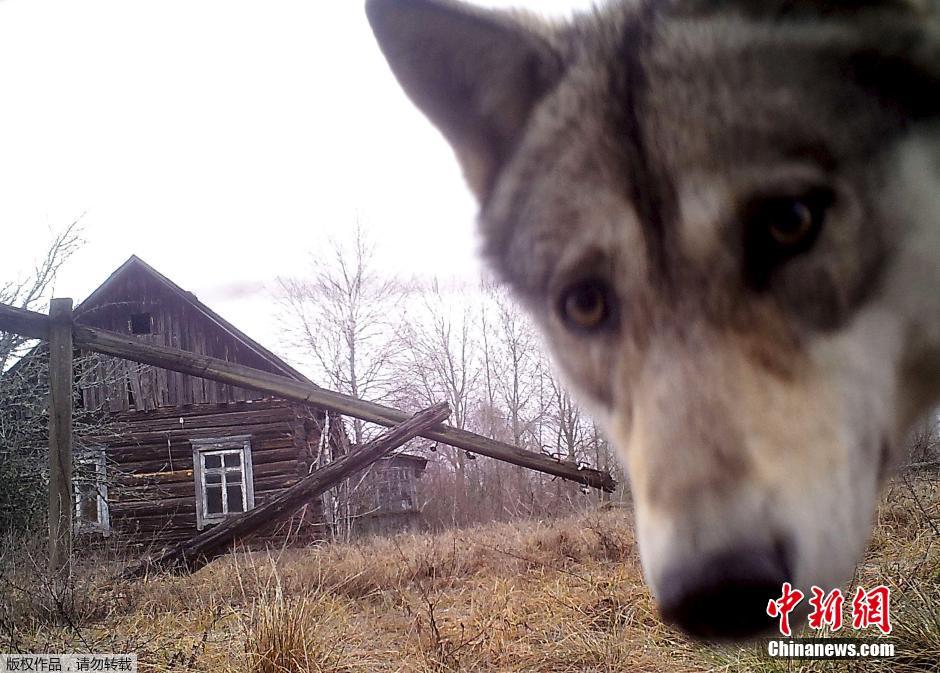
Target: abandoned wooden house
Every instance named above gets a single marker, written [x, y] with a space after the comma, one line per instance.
[181, 452]
[384, 498]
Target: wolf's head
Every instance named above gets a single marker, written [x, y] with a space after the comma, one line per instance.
[725, 217]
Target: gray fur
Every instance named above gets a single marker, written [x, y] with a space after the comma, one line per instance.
[633, 155]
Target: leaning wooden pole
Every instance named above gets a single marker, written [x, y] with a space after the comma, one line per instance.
[194, 553]
[60, 437]
[223, 371]
[214, 369]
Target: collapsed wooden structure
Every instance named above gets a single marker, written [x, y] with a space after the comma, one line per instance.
[195, 553]
[64, 335]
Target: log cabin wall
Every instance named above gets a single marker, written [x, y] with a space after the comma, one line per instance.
[137, 302]
[150, 471]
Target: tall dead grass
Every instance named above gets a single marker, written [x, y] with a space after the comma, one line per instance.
[565, 595]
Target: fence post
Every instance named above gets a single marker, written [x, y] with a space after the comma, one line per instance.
[61, 498]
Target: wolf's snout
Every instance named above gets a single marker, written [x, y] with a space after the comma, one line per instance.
[726, 596]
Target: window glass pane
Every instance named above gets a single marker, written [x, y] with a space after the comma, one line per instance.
[88, 503]
[213, 478]
[214, 500]
[233, 460]
[233, 477]
[234, 498]
[213, 460]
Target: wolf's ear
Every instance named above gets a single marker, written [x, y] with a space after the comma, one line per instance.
[475, 73]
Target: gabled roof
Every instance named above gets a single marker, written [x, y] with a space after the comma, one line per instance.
[136, 263]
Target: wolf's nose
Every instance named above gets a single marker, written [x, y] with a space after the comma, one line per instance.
[726, 597]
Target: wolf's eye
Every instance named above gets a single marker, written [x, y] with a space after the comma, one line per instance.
[587, 305]
[792, 224]
[780, 227]
[789, 224]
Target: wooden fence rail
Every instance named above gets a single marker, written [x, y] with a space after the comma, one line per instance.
[36, 325]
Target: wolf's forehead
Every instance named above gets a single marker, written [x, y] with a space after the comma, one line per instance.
[652, 100]
[722, 92]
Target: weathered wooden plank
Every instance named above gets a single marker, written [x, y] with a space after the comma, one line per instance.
[186, 488]
[180, 474]
[285, 467]
[144, 438]
[154, 478]
[148, 392]
[162, 380]
[206, 409]
[151, 507]
[215, 417]
[26, 323]
[61, 381]
[158, 522]
[195, 553]
[181, 448]
[185, 461]
[134, 375]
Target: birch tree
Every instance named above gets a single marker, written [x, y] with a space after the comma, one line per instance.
[344, 319]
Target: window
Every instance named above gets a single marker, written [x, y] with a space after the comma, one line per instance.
[91, 493]
[222, 472]
[395, 489]
[141, 323]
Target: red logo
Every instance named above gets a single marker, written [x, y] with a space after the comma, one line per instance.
[827, 610]
[783, 606]
[869, 608]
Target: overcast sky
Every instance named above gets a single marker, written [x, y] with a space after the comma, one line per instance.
[220, 141]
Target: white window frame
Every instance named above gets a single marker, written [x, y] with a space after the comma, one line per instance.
[238, 444]
[98, 458]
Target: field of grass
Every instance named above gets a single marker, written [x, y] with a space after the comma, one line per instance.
[564, 595]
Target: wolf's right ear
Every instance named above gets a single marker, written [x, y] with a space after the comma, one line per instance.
[475, 73]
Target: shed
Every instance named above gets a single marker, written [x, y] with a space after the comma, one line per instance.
[384, 499]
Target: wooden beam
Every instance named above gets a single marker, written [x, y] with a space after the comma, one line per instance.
[23, 322]
[223, 371]
[190, 555]
[129, 348]
[61, 498]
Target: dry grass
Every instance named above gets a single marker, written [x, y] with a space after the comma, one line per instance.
[560, 596]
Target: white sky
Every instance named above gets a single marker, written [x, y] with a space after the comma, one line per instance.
[221, 141]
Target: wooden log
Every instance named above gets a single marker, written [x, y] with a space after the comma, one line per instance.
[144, 438]
[195, 553]
[239, 375]
[60, 437]
[184, 488]
[183, 461]
[118, 345]
[215, 417]
[26, 323]
[139, 508]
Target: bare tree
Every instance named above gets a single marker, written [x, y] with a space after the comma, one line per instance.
[442, 363]
[24, 388]
[514, 367]
[345, 317]
[31, 291]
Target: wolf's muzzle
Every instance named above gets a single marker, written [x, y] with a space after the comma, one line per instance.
[726, 597]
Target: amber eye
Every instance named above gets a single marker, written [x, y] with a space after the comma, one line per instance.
[790, 222]
[778, 228]
[587, 305]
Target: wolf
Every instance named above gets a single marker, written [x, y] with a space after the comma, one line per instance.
[724, 217]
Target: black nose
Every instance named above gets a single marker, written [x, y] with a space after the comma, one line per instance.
[725, 598]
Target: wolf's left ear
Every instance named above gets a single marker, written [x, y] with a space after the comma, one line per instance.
[475, 73]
